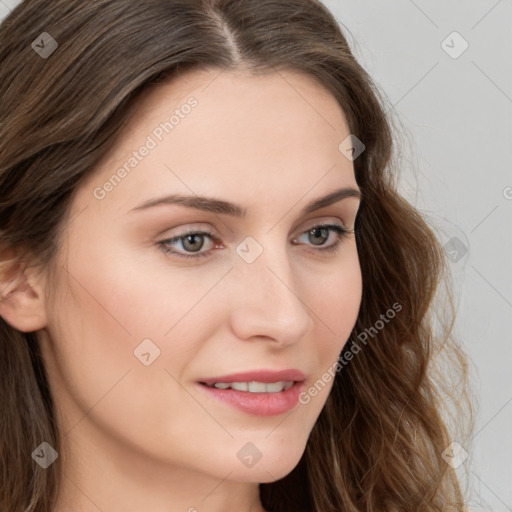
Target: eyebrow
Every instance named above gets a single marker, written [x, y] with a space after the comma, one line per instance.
[217, 206]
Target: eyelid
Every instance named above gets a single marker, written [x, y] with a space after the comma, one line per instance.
[337, 227]
[197, 227]
[323, 221]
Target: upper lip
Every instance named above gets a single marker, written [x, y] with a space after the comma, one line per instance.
[258, 376]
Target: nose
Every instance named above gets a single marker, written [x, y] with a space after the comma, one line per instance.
[268, 301]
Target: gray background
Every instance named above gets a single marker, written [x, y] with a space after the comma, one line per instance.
[457, 119]
[456, 115]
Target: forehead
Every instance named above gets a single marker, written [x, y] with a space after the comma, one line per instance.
[241, 130]
[236, 88]
[240, 107]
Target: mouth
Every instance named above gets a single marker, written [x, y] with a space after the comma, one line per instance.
[255, 380]
[253, 386]
[258, 392]
[254, 397]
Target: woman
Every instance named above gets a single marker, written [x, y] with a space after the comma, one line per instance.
[213, 298]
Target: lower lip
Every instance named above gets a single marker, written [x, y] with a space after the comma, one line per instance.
[258, 404]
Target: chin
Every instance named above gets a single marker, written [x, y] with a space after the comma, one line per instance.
[268, 468]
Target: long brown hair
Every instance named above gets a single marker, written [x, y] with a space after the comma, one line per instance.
[378, 443]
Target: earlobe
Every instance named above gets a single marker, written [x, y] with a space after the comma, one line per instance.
[21, 297]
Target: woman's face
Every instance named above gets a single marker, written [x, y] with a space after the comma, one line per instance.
[137, 320]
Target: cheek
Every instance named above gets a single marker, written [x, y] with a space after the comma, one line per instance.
[93, 343]
[129, 289]
[113, 302]
[336, 310]
[335, 305]
[96, 326]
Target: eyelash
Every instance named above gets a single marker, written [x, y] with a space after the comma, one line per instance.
[338, 229]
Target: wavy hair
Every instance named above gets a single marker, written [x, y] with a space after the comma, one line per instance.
[378, 443]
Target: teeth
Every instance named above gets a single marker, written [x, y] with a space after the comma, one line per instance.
[239, 386]
[222, 385]
[255, 387]
[260, 387]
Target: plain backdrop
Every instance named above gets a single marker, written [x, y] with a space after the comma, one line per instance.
[446, 69]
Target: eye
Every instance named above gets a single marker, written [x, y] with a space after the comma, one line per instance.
[321, 232]
[193, 241]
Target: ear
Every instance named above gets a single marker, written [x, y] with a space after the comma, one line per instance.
[21, 294]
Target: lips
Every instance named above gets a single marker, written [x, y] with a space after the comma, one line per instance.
[267, 376]
[256, 404]
[282, 389]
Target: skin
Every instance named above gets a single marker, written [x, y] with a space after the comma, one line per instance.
[142, 437]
